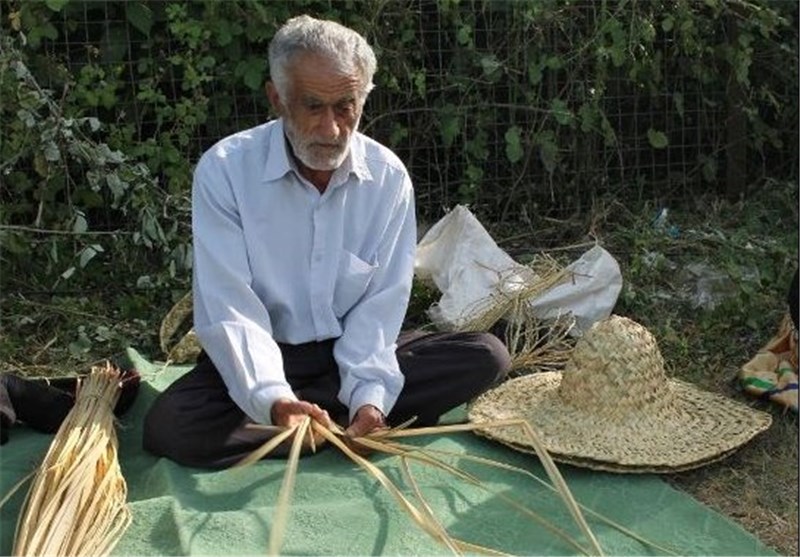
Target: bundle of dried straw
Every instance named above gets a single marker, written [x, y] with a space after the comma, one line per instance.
[77, 502]
[514, 286]
[535, 344]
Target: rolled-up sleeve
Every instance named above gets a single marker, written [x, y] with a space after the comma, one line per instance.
[232, 323]
[365, 353]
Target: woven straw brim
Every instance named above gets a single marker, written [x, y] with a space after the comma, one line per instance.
[697, 428]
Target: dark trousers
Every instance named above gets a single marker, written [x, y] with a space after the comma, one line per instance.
[194, 421]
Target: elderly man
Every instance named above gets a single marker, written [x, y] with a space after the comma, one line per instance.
[304, 240]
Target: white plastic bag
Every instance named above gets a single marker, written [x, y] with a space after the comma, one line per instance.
[591, 294]
[468, 267]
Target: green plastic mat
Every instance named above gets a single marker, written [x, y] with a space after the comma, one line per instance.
[337, 509]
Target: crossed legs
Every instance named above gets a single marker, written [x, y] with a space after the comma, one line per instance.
[195, 422]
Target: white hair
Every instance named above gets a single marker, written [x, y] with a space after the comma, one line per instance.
[348, 50]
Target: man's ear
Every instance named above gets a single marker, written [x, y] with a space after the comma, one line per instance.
[274, 98]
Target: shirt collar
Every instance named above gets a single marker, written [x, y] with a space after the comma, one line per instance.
[358, 157]
[278, 162]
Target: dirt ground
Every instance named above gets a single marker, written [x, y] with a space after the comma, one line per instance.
[757, 486]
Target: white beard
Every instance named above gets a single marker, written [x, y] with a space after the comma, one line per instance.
[312, 155]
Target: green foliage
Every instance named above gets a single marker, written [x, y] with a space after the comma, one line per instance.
[423, 295]
[84, 201]
[711, 278]
[520, 91]
[523, 109]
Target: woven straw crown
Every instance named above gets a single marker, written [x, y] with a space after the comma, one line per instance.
[613, 408]
[616, 370]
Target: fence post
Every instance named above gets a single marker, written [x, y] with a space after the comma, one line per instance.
[736, 137]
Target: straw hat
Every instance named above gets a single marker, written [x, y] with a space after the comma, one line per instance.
[613, 408]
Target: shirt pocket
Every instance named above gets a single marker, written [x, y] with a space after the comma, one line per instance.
[352, 279]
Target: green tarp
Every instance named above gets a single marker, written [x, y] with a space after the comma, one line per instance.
[337, 509]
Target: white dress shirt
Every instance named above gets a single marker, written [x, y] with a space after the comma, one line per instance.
[276, 261]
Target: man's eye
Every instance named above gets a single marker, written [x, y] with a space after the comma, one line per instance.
[345, 108]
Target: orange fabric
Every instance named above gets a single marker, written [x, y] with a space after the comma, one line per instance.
[772, 372]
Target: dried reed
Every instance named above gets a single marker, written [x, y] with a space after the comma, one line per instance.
[422, 515]
[76, 504]
[514, 286]
[284, 497]
[535, 344]
[427, 452]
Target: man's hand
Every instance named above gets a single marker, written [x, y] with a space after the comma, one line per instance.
[288, 413]
[367, 419]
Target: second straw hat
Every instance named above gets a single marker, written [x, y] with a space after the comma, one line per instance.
[613, 408]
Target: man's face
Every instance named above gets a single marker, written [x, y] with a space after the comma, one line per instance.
[321, 112]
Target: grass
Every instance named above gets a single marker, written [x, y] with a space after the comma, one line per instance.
[742, 255]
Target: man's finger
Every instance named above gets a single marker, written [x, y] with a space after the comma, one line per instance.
[320, 415]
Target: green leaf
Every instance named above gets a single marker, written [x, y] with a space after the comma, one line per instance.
[514, 151]
[419, 79]
[116, 186]
[252, 71]
[677, 100]
[27, 117]
[476, 146]
[474, 174]
[554, 62]
[534, 73]
[708, 166]
[56, 5]
[88, 253]
[80, 346]
[589, 115]
[619, 42]
[225, 32]
[449, 126]
[399, 133]
[52, 152]
[140, 16]
[657, 139]
[491, 66]
[561, 112]
[548, 150]
[464, 35]
[46, 30]
[80, 225]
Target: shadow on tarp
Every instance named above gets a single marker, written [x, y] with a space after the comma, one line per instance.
[338, 509]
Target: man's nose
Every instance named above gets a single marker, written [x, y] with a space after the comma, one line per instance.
[327, 125]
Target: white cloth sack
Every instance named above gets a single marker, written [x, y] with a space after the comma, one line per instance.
[591, 294]
[467, 267]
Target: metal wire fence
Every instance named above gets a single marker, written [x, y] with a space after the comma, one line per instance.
[485, 107]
